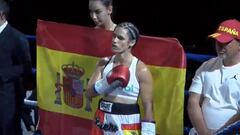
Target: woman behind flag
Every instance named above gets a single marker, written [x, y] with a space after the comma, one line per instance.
[100, 12]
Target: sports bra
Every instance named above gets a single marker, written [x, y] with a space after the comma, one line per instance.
[131, 91]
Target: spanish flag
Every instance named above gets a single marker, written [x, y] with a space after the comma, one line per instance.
[66, 58]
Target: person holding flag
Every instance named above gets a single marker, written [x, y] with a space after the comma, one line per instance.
[100, 12]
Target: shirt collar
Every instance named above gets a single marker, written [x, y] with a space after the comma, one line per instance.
[3, 26]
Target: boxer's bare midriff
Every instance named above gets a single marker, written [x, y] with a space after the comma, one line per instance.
[119, 100]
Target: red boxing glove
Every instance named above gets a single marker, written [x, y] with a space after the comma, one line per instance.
[117, 77]
[120, 73]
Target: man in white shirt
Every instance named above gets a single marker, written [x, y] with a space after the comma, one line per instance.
[215, 90]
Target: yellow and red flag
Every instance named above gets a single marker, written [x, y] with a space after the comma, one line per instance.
[66, 58]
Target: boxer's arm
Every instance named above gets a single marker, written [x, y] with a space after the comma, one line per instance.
[146, 90]
[97, 74]
[146, 93]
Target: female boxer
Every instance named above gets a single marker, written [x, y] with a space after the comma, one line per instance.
[122, 79]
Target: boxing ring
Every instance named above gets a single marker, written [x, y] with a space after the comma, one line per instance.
[198, 58]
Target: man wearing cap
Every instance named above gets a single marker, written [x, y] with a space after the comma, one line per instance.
[214, 100]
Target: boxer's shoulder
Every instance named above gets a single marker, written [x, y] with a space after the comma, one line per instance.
[103, 61]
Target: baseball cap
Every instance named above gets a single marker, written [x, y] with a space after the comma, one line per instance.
[227, 31]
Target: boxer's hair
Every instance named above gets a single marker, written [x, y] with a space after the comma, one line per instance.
[133, 31]
[105, 2]
[4, 8]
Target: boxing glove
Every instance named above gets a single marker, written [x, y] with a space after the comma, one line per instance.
[119, 73]
[117, 77]
[148, 128]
